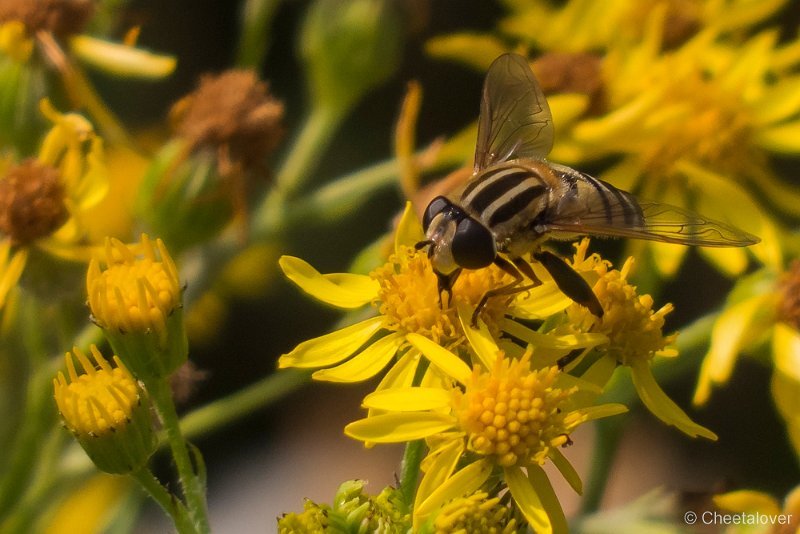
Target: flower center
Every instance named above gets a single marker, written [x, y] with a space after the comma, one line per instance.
[136, 294]
[515, 414]
[712, 132]
[99, 401]
[789, 290]
[31, 202]
[633, 328]
[408, 296]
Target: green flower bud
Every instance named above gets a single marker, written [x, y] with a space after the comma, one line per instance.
[349, 48]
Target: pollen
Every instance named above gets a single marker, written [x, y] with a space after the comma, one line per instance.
[31, 202]
[134, 293]
[515, 414]
[408, 297]
[99, 401]
[789, 291]
[633, 328]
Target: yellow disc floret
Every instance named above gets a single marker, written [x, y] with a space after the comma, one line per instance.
[98, 401]
[409, 296]
[474, 513]
[107, 412]
[134, 294]
[514, 413]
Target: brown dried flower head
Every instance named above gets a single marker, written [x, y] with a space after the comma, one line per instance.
[572, 72]
[31, 202]
[233, 113]
[62, 18]
[789, 290]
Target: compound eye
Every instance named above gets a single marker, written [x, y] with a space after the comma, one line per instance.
[473, 245]
[437, 205]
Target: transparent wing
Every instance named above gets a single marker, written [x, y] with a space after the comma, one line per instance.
[515, 119]
[654, 221]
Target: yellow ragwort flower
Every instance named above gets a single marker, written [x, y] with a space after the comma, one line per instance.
[104, 408]
[134, 293]
[635, 336]
[137, 300]
[511, 415]
[43, 200]
[763, 309]
[405, 292]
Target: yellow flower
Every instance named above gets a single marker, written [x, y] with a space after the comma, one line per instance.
[107, 412]
[136, 299]
[689, 103]
[43, 201]
[405, 292]
[508, 413]
[635, 337]
[763, 309]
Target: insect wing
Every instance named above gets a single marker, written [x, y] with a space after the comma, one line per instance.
[656, 222]
[515, 120]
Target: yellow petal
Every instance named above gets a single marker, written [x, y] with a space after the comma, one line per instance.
[786, 350]
[783, 138]
[121, 60]
[10, 271]
[567, 470]
[438, 466]
[331, 348]
[748, 501]
[399, 427]
[780, 101]
[527, 500]
[463, 482]
[366, 364]
[654, 398]
[563, 343]
[441, 358]
[344, 290]
[409, 399]
[540, 302]
[477, 50]
[409, 229]
[735, 326]
[479, 338]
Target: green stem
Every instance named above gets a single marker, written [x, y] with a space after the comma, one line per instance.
[225, 411]
[409, 470]
[256, 18]
[191, 484]
[691, 342]
[171, 506]
[296, 170]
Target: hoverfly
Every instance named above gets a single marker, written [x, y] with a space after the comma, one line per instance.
[516, 199]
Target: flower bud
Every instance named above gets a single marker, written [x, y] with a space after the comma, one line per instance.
[137, 301]
[107, 412]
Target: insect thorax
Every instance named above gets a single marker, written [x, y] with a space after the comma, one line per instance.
[509, 199]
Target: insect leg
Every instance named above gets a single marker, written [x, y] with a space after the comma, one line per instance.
[569, 281]
[445, 283]
[516, 268]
